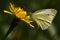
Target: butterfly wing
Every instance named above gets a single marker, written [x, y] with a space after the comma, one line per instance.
[44, 17]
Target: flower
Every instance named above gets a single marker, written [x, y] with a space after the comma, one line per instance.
[19, 13]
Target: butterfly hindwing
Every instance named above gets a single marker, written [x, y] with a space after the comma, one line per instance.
[44, 17]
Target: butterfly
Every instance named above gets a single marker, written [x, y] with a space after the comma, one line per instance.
[44, 17]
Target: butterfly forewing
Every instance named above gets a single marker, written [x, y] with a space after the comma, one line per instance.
[44, 17]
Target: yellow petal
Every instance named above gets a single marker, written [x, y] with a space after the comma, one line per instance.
[27, 17]
[31, 25]
[11, 7]
[7, 12]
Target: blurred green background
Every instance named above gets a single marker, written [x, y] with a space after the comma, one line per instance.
[24, 32]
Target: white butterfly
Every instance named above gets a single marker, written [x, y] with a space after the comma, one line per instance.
[44, 17]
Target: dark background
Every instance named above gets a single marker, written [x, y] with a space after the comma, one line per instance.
[23, 31]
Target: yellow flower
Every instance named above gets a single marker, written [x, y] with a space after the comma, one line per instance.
[19, 13]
